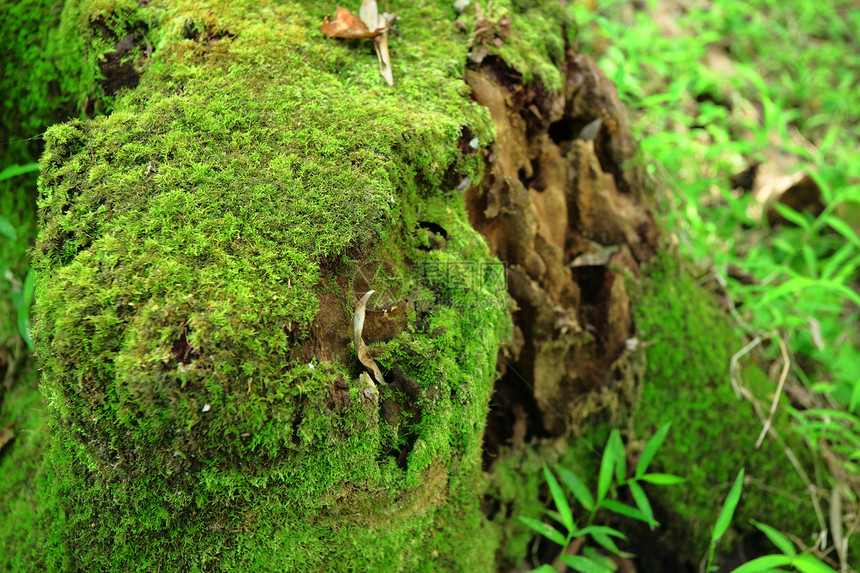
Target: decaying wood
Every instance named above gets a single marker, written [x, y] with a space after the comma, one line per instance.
[565, 209]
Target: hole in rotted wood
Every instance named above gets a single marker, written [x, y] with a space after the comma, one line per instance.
[464, 141]
[591, 281]
[297, 421]
[437, 237]
[536, 181]
[117, 69]
[182, 349]
[561, 131]
[433, 227]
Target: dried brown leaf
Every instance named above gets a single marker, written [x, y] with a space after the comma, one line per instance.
[360, 347]
[380, 44]
[369, 14]
[347, 25]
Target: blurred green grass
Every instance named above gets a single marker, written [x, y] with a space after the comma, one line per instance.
[718, 86]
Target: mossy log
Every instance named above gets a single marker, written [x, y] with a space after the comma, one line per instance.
[202, 249]
[204, 246]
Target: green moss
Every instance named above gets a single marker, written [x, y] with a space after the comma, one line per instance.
[26, 490]
[52, 56]
[540, 31]
[196, 252]
[51, 72]
[30, 81]
[689, 346]
[514, 491]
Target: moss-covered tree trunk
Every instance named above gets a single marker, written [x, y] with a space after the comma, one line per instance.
[204, 247]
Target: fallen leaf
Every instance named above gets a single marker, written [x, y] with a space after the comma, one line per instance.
[780, 179]
[380, 44]
[368, 390]
[347, 25]
[360, 347]
[369, 13]
[597, 257]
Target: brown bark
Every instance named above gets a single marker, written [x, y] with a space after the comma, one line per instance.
[566, 207]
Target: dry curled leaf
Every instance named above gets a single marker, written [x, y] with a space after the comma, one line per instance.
[368, 12]
[360, 347]
[368, 389]
[347, 25]
[380, 44]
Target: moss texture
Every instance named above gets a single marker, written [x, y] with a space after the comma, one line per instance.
[27, 488]
[34, 93]
[196, 257]
[50, 57]
[53, 57]
[690, 344]
[26, 110]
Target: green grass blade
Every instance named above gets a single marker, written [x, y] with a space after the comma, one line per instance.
[810, 260]
[7, 229]
[651, 449]
[606, 542]
[607, 467]
[578, 488]
[642, 502]
[584, 564]
[546, 530]
[761, 564]
[834, 262]
[792, 215]
[777, 538]
[600, 530]
[808, 563]
[662, 479]
[620, 456]
[15, 170]
[29, 287]
[843, 229]
[625, 510]
[855, 396]
[728, 511]
[559, 499]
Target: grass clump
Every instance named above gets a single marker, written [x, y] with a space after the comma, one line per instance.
[719, 87]
[690, 345]
[715, 91]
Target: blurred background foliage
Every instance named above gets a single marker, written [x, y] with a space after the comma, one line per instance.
[736, 103]
[748, 114]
